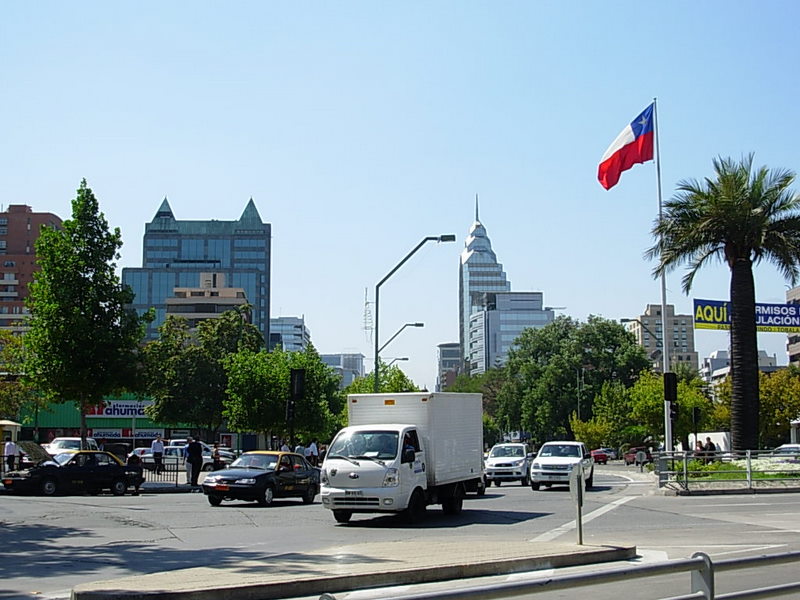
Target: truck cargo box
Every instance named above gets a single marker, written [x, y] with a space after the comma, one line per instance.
[450, 425]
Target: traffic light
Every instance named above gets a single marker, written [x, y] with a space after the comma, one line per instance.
[671, 394]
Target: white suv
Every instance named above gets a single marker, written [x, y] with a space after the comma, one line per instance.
[555, 462]
[60, 444]
[507, 462]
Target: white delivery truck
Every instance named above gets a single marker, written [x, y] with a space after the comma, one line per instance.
[402, 452]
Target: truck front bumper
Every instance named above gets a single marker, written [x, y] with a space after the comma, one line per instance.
[362, 500]
[560, 477]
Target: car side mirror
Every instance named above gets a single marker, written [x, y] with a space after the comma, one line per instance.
[408, 456]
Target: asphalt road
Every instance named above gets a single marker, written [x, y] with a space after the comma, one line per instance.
[50, 544]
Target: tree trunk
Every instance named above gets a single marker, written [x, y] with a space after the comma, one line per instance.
[84, 428]
[744, 358]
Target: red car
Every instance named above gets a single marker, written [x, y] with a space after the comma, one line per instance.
[631, 459]
[599, 456]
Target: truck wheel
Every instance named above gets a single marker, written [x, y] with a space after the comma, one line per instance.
[266, 498]
[497, 482]
[534, 485]
[482, 488]
[342, 516]
[416, 507]
[590, 480]
[118, 487]
[525, 481]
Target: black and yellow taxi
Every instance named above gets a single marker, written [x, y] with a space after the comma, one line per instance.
[261, 476]
[72, 471]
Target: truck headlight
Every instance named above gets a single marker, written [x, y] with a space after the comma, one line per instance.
[536, 466]
[390, 479]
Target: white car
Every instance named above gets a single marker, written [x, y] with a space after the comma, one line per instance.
[507, 462]
[173, 459]
[556, 460]
[60, 444]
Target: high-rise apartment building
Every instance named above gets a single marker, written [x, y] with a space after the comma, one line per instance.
[348, 366]
[647, 328]
[499, 321]
[450, 362]
[19, 230]
[290, 333]
[480, 273]
[208, 300]
[176, 254]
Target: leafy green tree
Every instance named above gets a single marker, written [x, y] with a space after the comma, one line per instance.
[647, 406]
[259, 389]
[15, 391]
[390, 380]
[740, 216]
[780, 405]
[83, 341]
[558, 369]
[186, 375]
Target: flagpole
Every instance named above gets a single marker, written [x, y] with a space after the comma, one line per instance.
[664, 331]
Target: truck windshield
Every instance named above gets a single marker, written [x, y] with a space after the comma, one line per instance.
[370, 444]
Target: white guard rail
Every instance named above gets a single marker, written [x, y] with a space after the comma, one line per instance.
[702, 578]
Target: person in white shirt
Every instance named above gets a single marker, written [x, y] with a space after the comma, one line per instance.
[285, 447]
[157, 448]
[314, 452]
[10, 452]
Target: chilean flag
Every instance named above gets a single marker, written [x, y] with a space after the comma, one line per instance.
[633, 145]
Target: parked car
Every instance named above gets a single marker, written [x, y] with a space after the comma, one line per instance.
[556, 460]
[600, 456]
[261, 476]
[787, 451]
[60, 444]
[630, 457]
[610, 453]
[86, 471]
[173, 459]
[507, 462]
[227, 455]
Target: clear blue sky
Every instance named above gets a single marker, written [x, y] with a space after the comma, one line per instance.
[361, 127]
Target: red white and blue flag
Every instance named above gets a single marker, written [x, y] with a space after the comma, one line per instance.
[633, 145]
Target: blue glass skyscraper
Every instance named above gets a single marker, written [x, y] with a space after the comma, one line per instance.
[175, 253]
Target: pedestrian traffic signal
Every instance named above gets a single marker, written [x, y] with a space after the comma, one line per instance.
[671, 394]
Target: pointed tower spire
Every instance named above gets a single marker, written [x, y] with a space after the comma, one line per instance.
[164, 211]
[476, 208]
[250, 213]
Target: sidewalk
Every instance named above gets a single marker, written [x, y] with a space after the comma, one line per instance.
[347, 568]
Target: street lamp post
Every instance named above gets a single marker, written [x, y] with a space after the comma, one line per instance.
[394, 360]
[431, 238]
[399, 331]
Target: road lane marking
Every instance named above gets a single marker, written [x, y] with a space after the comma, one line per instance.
[558, 531]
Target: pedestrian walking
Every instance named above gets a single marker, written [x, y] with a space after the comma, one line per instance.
[186, 464]
[314, 452]
[711, 450]
[194, 452]
[134, 463]
[157, 448]
[285, 447]
[10, 452]
[216, 457]
[300, 449]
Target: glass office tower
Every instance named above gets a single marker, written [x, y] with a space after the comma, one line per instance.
[175, 253]
[480, 273]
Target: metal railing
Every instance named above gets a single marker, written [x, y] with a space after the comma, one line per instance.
[701, 568]
[749, 470]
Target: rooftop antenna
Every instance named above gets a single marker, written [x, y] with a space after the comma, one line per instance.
[368, 327]
[476, 209]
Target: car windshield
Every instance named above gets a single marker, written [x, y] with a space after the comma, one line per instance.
[365, 444]
[559, 450]
[499, 451]
[65, 445]
[256, 461]
[63, 457]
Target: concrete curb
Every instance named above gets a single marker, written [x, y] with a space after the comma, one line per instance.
[345, 571]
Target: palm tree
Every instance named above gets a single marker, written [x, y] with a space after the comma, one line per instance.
[740, 216]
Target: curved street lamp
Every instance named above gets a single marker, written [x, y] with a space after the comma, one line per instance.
[431, 238]
[399, 331]
[394, 360]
